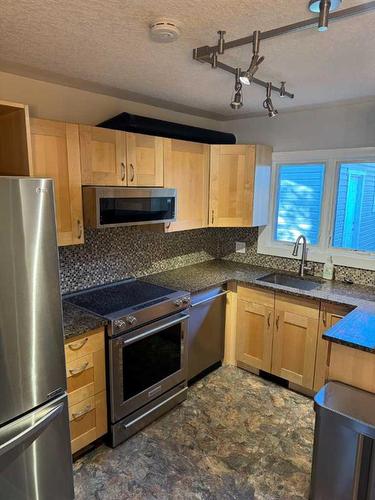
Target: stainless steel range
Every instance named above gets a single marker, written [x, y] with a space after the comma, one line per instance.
[146, 348]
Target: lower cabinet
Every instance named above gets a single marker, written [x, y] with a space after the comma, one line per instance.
[277, 333]
[85, 371]
[255, 319]
[295, 338]
[330, 314]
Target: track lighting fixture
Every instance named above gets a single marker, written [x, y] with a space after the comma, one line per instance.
[220, 43]
[282, 90]
[268, 104]
[324, 7]
[237, 98]
[248, 75]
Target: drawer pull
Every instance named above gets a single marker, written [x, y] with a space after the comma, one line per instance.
[82, 413]
[77, 371]
[269, 320]
[78, 345]
[277, 322]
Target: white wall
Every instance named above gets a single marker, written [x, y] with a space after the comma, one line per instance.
[340, 126]
[58, 102]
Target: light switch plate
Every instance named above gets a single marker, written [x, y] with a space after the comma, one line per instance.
[240, 247]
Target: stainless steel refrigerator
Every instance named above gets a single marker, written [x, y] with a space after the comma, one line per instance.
[35, 454]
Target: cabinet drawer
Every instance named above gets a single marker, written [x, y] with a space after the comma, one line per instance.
[84, 345]
[88, 421]
[85, 376]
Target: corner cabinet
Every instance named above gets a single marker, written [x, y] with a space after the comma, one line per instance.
[186, 168]
[115, 158]
[55, 152]
[240, 177]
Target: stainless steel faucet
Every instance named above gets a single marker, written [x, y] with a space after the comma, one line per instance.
[302, 267]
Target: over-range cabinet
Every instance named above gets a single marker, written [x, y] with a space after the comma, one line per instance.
[35, 454]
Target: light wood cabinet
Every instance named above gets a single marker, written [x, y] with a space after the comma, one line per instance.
[55, 150]
[103, 156]
[85, 371]
[239, 185]
[144, 160]
[186, 168]
[255, 319]
[351, 366]
[330, 314]
[295, 339]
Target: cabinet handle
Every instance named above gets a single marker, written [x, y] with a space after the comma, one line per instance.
[269, 320]
[132, 172]
[277, 322]
[80, 229]
[212, 216]
[123, 170]
[167, 226]
[82, 413]
[77, 371]
[324, 316]
[78, 345]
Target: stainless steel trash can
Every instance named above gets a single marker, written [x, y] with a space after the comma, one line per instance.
[344, 450]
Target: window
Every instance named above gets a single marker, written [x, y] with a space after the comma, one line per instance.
[328, 196]
[299, 202]
[354, 226]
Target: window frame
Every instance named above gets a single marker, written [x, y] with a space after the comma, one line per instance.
[319, 253]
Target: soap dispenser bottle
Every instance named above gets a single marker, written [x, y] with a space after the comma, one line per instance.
[328, 269]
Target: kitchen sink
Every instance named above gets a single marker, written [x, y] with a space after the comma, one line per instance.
[306, 283]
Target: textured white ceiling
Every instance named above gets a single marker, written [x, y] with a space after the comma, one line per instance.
[107, 43]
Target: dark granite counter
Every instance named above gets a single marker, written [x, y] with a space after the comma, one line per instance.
[356, 330]
[78, 321]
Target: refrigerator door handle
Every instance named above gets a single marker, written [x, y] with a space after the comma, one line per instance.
[17, 436]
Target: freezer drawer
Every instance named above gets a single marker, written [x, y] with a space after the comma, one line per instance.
[35, 455]
[206, 330]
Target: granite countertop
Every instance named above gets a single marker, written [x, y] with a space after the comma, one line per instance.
[78, 321]
[356, 330]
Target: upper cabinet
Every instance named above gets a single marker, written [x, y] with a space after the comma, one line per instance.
[144, 160]
[115, 158]
[55, 149]
[239, 185]
[103, 156]
[186, 168]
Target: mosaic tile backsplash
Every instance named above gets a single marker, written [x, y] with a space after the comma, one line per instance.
[114, 254]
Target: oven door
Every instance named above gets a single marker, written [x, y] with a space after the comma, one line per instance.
[147, 362]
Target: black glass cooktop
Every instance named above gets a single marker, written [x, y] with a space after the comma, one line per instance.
[109, 299]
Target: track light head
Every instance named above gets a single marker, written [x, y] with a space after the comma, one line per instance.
[220, 43]
[268, 104]
[282, 89]
[247, 76]
[237, 98]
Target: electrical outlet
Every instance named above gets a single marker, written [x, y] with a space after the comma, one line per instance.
[240, 247]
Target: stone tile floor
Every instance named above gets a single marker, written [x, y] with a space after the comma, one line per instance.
[236, 437]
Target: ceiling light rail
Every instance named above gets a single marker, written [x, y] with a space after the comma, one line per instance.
[207, 54]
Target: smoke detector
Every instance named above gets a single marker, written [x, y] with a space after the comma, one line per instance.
[164, 30]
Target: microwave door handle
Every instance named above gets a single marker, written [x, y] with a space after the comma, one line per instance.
[31, 429]
[155, 330]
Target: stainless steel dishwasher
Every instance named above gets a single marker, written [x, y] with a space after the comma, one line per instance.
[206, 331]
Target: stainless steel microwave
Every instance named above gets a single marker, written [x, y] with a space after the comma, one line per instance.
[123, 206]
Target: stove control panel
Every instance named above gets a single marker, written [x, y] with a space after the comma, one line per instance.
[182, 302]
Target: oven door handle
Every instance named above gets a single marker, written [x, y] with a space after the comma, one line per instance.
[156, 330]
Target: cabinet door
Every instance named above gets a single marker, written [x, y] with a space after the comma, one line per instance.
[295, 339]
[144, 160]
[330, 314]
[231, 185]
[186, 168]
[103, 156]
[255, 319]
[55, 148]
